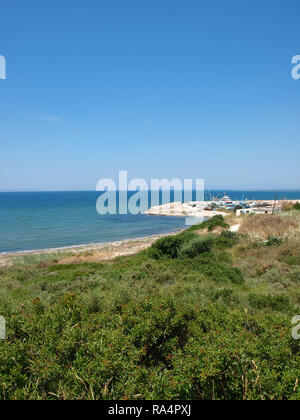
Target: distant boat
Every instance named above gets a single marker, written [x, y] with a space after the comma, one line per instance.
[226, 199]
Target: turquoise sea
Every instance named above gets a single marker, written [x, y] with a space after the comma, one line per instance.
[42, 220]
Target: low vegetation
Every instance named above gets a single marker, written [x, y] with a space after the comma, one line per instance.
[195, 316]
[262, 227]
[289, 205]
[210, 224]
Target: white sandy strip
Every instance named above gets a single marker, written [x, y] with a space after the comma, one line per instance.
[193, 209]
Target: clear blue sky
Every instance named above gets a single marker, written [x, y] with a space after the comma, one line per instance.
[162, 88]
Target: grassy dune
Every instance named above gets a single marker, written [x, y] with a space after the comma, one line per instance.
[193, 317]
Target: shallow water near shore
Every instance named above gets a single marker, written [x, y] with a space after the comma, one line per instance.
[43, 220]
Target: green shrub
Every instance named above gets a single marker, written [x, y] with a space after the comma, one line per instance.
[195, 247]
[166, 247]
[227, 239]
[93, 304]
[211, 224]
[274, 241]
[296, 206]
[223, 294]
[217, 270]
[141, 328]
[279, 303]
[291, 260]
[169, 246]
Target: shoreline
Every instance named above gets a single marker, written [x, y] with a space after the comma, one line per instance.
[189, 210]
[99, 246]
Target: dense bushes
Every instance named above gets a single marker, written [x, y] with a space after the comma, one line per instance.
[195, 247]
[227, 239]
[276, 303]
[183, 325]
[166, 247]
[217, 270]
[190, 245]
[154, 348]
[185, 245]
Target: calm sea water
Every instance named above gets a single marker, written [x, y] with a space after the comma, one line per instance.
[39, 220]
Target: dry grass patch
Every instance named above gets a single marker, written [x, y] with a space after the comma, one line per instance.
[287, 205]
[264, 226]
[255, 261]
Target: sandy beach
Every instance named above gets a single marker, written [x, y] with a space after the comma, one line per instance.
[89, 252]
[110, 250]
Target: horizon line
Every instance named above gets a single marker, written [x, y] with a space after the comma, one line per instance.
[295, 189]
